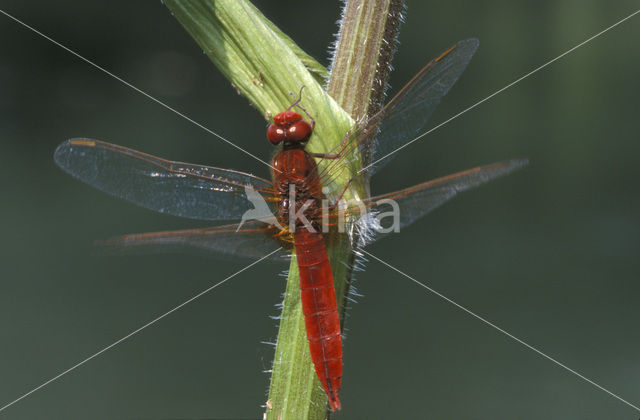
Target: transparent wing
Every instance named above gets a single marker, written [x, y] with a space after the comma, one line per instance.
[414, 202]
[407, 114]
[253, 240]
[180, 189]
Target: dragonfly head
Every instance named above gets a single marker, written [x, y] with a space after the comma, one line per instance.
[288, 126]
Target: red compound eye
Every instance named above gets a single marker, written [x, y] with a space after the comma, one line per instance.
[275, 134]
[299, 131]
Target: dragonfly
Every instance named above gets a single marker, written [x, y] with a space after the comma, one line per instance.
[265, 207]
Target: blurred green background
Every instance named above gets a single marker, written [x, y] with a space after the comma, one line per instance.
[550, 253]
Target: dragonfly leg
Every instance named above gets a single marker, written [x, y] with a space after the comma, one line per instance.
[335, 155]
[335, 204]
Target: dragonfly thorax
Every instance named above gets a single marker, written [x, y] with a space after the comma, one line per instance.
[296, 179]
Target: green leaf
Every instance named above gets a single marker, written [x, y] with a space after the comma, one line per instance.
[262, 64]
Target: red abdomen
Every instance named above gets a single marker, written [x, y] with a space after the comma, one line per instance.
[320, 311]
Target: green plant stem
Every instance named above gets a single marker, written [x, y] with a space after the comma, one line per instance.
[364, 50]
[265, 66]
[358, 79]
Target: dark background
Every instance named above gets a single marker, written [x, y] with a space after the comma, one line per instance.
[550, 253]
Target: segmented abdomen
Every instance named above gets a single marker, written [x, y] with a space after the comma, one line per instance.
[320, 311]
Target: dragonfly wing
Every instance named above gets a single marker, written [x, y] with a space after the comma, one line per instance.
[253, 240]
[180, 189]
[419, 200]
[407, 114]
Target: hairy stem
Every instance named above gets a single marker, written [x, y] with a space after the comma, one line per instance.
[363, 54]
[265, 66]
[358, 80]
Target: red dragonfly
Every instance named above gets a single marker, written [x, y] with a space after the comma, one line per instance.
[213, 194]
